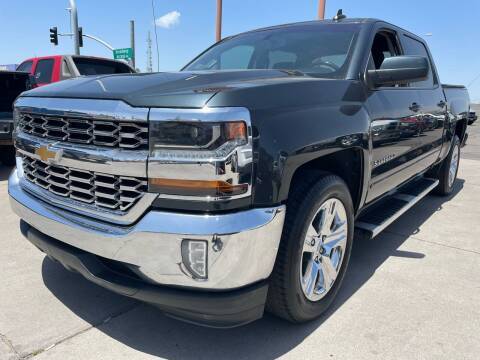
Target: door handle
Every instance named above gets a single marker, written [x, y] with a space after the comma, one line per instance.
[414, 107]
[441, 104]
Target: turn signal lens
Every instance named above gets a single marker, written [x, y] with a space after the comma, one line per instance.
[235, 130]
[196, 187]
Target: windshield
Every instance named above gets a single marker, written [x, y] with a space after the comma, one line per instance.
[321, 50]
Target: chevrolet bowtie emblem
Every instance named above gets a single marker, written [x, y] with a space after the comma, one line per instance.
[45, 154]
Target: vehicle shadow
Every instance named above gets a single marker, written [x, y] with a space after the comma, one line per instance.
[4, 172]
[146, 329]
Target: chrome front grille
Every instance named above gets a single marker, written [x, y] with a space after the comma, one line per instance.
[102, 190]
[130, 135]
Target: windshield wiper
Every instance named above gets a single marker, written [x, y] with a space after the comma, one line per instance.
[293, 72]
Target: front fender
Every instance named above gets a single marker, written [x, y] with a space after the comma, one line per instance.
[301, 136]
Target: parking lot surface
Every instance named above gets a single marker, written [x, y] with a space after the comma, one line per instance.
[412, 293]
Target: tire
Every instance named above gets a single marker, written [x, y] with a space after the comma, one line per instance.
[291, 294]
[7, 155]
[448, 166]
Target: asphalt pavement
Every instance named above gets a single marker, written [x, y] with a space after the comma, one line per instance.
[411, 293]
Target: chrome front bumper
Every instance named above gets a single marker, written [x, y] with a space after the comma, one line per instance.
[152, 246]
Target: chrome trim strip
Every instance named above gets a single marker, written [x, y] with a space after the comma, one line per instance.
[249, 240]
[88, 157]
[211, 114]
[81, 108]
[82, 208]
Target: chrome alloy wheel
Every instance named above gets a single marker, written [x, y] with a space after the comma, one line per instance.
[452, 173]
[323, 249]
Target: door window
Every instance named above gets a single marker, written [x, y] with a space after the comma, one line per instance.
[385, 45]
[415, 47]
[25, 66]
[44, 71]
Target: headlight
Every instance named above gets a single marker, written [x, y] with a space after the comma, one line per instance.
[201, 154]
[175, 140]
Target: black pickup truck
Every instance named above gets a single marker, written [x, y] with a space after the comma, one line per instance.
[236, 184]
[12, 83]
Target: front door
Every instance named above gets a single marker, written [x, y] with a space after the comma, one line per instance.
[396, 124]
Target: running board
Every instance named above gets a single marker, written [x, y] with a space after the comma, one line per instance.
[377, 219]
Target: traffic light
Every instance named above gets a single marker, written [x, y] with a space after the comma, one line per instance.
[54, 35]
[80, 36]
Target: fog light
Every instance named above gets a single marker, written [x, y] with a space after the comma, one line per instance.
[195, 258]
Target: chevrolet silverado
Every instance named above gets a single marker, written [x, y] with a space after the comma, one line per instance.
[235, 185]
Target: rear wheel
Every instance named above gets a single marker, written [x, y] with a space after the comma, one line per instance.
[314, 250]
[448, 171]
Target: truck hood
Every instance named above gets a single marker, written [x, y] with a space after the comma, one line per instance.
[172, 89]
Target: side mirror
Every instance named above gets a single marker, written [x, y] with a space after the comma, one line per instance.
[399, 70]
[32, 82]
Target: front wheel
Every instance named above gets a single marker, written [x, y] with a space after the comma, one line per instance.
[314, 250]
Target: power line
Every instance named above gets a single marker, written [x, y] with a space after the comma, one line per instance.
[474, 79]
[156, 36]
[149, 53]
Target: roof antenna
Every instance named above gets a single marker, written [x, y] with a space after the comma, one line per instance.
[339, 15]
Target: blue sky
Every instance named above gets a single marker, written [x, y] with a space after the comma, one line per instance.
[24, 27]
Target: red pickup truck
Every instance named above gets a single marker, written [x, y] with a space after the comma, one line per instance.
[49, 69]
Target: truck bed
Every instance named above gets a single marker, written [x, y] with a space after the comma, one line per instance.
[458, 99]
[12, 84]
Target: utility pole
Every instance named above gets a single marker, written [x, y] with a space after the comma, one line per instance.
[132, 41]
[149, 53]
[321, 9]
[74, 21]
[219, 21]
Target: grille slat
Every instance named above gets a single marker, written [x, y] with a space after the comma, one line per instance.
[85, 131]
[106, 191]
[58, 184]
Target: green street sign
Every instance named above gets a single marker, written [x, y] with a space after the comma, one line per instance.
[123, 54]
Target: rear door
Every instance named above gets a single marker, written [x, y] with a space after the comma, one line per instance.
[395, 121]
[432, 106]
